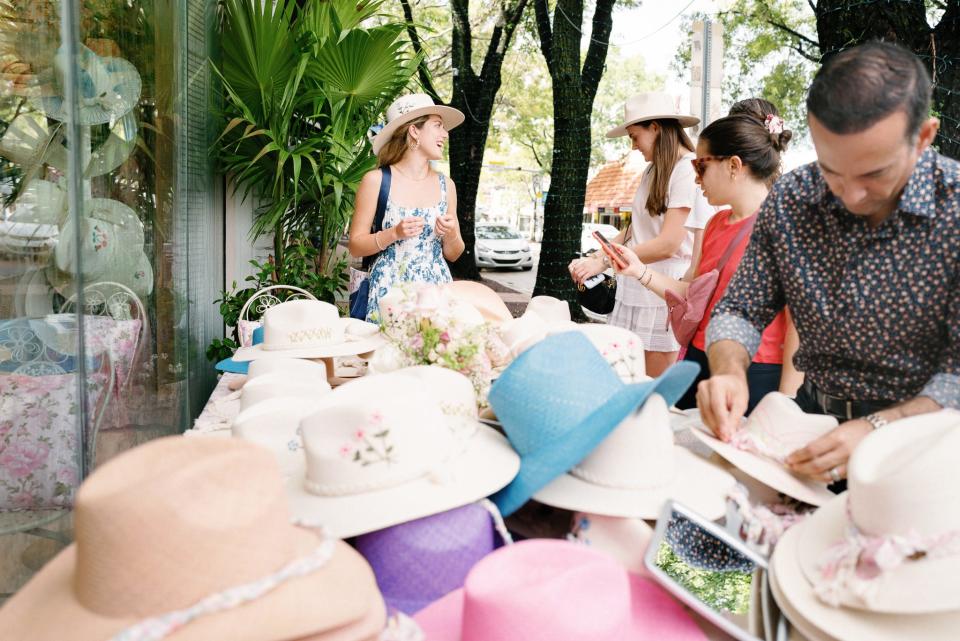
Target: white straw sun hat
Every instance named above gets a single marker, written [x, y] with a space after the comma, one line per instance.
[407, 109]
[654, 105]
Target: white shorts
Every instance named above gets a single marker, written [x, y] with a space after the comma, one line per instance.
[648, 322]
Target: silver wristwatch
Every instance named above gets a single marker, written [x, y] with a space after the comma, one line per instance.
[876, 420]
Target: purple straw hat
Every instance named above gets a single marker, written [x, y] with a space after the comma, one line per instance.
[420, 561]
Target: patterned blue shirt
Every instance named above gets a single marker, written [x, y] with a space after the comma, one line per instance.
[877, 309]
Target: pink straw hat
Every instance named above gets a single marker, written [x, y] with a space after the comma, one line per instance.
[189, 539]
[552, 590]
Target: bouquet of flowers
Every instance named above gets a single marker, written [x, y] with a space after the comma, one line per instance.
[425, 326]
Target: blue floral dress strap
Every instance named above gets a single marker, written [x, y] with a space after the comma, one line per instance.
[442, 206]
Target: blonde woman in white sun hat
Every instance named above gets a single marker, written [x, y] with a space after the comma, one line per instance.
[419, 231]
[668, 211]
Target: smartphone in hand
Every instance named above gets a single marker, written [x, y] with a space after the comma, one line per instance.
[610, 250]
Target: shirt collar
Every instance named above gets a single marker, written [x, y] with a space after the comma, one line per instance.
[917, 197]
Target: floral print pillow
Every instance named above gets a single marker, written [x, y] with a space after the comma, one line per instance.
[39, 441]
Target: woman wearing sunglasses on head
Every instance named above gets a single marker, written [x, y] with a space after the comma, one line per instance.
[668, 214]
[738, 159]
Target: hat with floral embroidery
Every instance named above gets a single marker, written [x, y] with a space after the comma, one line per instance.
[381, 451]
[190, 540]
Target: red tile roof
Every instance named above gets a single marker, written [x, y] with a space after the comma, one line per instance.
[615, 184]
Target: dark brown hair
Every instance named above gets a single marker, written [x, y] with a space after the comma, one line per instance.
[747, 137]
[858, 87]
[758, 107]
[665, 150]
[393, 150]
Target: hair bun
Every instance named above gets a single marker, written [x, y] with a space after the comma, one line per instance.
[781, 140]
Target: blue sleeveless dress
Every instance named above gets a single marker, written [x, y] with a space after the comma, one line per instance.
[412, 260]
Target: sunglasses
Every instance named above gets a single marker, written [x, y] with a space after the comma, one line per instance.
[700, 164]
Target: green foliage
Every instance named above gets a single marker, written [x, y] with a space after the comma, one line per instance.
[722, 591]
[770, 48]
[303, 85]
[298, 269]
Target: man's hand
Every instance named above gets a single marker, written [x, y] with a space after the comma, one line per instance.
[830, 451]
[723, 400]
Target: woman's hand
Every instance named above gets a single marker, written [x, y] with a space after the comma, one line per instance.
[447, 225]
[583, 268]
[635, 267]
[409, 227]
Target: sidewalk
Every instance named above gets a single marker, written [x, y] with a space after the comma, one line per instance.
[516, 301]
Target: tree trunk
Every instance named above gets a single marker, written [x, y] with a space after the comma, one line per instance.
[574, 89]
[474, 95]
[845, 23]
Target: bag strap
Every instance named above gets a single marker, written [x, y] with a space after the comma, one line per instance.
[741, 234]
[379, 213]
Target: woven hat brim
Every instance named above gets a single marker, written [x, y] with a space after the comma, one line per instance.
[487, 464]
[231, 366]
[685, 121]
[47, 606]
[539, 468]
[346, 348]
[847, 624]
[696, 483]
[452, 118]
[767, 471]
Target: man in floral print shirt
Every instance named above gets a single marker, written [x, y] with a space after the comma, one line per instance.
[863, 246]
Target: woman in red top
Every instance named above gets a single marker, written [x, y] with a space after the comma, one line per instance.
[738, 159]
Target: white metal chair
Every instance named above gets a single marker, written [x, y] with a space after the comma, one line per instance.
[263, 300]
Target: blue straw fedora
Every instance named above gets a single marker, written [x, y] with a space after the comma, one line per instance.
[558, 400]
[236, 367]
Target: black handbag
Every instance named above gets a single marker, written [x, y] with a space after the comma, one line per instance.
[600, 298]
[358, 299]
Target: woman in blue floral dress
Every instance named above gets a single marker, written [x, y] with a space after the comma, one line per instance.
[420, 231]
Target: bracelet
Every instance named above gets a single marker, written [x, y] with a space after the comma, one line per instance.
[649, 278]
[376, 239]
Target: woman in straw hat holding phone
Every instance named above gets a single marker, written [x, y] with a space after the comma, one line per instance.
[668, 210]
[419, 231]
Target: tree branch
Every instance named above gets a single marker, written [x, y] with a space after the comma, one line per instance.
[501, 37]
[597, 52]
[813, 7]
[422, 71]
[543, 29]
[462, 36]
[777, 25]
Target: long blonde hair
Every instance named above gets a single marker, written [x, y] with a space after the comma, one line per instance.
[393, 150]
[671, 137]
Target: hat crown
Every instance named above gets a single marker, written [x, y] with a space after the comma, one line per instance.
[571, 379]
[422, 560]
[902, 478]
[406, 104]
[551, 310]
[778, 427]
[376, 432]
[640, 107]
[456, 396]
[301, 323]
[291, 366]
[621, 348]
[522, 586]
[279, 383]
[190, 502]
[638, 454]
[275, 425]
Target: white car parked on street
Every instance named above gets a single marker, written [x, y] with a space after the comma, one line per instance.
[502, 246]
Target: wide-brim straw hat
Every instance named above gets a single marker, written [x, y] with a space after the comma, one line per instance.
[310, 329]
[382, 451]
[485, 300]
[173, 523]
[543, 589]
[559, 400]
[654, 105]
[406, 109]
[636, 469]
[776, 421]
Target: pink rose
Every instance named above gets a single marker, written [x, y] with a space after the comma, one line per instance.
[68, 476]
[20, 459]
[22, 499]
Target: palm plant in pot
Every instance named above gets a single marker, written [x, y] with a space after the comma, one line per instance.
[303, 82]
